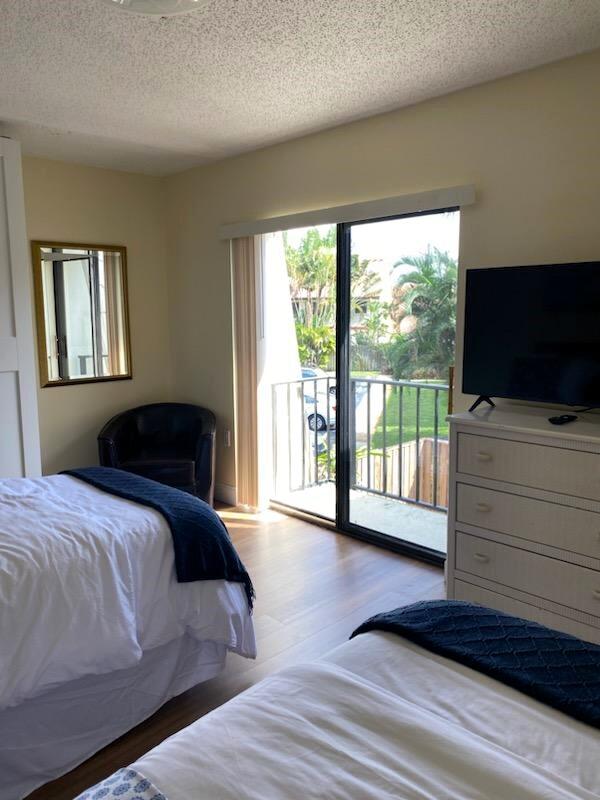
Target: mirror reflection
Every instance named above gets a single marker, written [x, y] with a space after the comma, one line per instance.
[81, 298]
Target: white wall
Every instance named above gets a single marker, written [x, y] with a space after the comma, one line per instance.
[70, 203]
[529, 143]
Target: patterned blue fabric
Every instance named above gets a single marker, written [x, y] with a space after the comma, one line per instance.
[203, 549]
[560, 670]
[126, 784]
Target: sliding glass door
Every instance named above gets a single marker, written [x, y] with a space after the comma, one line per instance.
[396, 331]
[361, 326]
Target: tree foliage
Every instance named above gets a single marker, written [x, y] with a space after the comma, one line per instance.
[428, 292]
[316, 345]
[312, 268]
[375, 321]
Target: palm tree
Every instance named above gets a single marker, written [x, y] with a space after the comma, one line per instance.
[312, 268]
[428, 293]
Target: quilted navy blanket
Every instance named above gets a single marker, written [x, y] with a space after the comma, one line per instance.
[203, 549]
[560, 670]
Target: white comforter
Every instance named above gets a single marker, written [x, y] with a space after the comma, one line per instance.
[379, 718]
[87, 583]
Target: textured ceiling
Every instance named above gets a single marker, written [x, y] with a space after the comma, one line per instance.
[82, 81]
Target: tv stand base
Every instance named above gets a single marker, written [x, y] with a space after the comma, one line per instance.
[482, 399]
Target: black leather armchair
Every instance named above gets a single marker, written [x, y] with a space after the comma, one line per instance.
[173, 443]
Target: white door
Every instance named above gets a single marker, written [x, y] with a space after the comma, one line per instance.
[19, 432]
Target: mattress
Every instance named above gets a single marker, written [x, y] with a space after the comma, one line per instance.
[88, 585]
[379, 718]
[96, 632]
[45, 737]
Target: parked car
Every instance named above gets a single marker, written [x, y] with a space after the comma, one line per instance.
[316, 372]
[316, 412]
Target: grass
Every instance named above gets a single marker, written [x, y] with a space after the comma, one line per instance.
[409, 416]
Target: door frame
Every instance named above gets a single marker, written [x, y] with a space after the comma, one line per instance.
[343, 444]
[17, 349]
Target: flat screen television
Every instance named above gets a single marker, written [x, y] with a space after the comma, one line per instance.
[533, 333]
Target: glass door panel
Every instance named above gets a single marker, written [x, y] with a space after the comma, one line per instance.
[299, 314]
[401, 344]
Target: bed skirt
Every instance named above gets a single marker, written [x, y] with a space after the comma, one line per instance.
[47, 736]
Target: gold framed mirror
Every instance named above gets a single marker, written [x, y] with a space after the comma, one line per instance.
[81, 312]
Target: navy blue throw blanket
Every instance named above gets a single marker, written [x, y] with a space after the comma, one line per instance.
[560, 670]
[203, 549]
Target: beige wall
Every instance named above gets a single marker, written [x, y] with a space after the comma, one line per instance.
[529, 143]
[72, 203]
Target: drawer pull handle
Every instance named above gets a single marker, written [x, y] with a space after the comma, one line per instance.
[483, 559]
[597, 594]
[483, 507]
[484, 457]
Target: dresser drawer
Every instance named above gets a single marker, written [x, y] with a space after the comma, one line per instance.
[571, 472]
[541, 576]
[556, 525]
[485, 597]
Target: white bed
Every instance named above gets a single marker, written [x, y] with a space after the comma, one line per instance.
[91, 613]
[379, 718]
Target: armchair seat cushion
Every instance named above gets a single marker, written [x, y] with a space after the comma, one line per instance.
[176, 472]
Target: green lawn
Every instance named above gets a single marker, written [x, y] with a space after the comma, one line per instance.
[409, 416]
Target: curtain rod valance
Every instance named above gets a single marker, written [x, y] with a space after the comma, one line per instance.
[450, 197]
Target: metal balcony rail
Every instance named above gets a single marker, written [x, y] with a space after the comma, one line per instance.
[398, 431]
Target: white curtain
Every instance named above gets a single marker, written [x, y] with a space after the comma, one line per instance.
[266, 353]
[278, 363]
[244, 260]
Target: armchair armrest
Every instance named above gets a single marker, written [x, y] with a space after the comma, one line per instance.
[111, 440]
[205, 466]
[107, 452]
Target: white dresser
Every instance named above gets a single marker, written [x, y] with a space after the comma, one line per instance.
[524, 516]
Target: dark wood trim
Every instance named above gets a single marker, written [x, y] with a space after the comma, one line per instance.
[36, 259]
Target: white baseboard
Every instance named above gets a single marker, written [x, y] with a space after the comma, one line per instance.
[225, 493]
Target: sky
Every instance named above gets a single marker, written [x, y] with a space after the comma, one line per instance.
[395, 238]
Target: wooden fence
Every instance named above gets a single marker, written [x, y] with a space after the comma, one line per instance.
[371, 476]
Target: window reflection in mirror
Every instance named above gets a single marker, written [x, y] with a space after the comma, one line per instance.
[81, 299]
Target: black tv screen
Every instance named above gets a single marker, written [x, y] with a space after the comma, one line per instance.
[533, 333]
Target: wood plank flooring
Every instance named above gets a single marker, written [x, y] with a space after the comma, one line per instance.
[313, 588]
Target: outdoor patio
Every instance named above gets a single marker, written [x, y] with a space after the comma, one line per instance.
[408, 521]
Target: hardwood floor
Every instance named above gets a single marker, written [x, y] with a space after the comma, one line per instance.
[313, 588]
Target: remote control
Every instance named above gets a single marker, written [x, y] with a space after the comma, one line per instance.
[562, 419]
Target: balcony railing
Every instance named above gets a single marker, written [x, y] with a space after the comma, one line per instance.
[398, 431]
